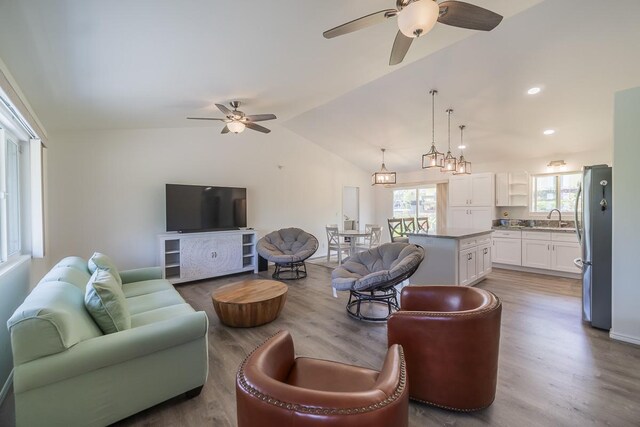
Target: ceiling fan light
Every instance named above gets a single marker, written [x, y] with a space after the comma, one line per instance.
[236, 127]
[418, 18]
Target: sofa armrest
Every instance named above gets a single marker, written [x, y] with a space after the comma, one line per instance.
[141, 274]
[111, 349]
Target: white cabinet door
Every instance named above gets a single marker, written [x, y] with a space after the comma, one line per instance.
[468, 269]
[507, 251]
[228, 254]
[562, 256]
[482, 190]
[202, 257]
[459, 218]
[536, 253]
[484, 259]
[502, 189]
[197, 257]
[481, 218]
[459, 191]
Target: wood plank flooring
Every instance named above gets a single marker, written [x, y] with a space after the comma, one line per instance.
[554, 370]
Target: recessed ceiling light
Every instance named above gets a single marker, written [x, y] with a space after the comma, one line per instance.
[462, 147]
[549, 132]
[534, 91]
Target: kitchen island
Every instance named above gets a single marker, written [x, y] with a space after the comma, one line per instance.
[453, 256]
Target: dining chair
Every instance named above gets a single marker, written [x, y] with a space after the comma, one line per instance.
[396, 232]
[373, 239]
[333, 244]
[408, 225]
[422, 224]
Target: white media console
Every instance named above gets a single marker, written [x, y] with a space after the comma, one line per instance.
[185, 257]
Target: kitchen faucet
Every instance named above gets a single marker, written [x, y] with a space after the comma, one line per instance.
[559, 216]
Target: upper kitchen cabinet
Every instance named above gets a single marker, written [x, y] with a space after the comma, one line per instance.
[472, 190]
[512, 189]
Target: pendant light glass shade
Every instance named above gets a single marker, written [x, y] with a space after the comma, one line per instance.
[418, 18]
[384, 176]
[236, 127]
[434, 158]
[450, 161]
[463, 167]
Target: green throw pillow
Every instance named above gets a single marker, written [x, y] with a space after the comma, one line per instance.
[106, 303]
[101, 261]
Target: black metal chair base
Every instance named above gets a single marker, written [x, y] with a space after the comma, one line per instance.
[387, 296]
[290, 271]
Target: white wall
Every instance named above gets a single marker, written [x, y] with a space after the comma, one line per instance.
[106, 189]
[626, 205]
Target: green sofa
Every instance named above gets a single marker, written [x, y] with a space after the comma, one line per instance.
[68, 373]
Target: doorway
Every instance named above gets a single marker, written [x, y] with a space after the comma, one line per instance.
[351, 208]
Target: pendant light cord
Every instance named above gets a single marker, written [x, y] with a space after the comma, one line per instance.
[433, 116]
[449, 111]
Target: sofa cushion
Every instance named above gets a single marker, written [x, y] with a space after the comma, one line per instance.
[74, 262]
[70, 275]
[160, 314]
[141, 303]
[50, 320]
[103, 262]
[145, 287]
[106, 302]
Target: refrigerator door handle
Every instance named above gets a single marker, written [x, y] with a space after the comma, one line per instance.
[576, 214]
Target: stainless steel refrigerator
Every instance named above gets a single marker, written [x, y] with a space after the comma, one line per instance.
[593, 226]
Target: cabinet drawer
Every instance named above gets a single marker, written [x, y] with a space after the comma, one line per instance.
[564, 237]
[483, 240]
[508, 234]
[536, 235]
[468, 243]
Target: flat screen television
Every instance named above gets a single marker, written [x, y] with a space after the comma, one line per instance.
[193, 208]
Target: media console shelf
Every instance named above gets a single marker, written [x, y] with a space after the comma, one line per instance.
[185, 257]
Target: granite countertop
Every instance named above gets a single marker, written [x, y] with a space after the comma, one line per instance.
[536, 228]
[452, 233]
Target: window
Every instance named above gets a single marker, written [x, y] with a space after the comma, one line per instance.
[10, 236]
[415, 203]
[556, 191]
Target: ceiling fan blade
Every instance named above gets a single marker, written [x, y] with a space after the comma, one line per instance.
[224, 110]
[261, 117]
[204, 118]
[259, 128]
[225, 129]
[360, 23]
[400, 48]
[465, 15]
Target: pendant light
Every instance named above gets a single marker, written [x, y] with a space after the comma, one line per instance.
[434, 158]
[450, 160]
[463, 167]
[384, 176]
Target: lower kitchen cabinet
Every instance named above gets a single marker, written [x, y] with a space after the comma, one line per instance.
[540, 250]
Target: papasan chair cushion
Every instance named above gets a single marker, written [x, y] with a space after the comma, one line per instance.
[288, 248]
[371, 276]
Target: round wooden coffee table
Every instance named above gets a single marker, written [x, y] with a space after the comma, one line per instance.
[249, 303]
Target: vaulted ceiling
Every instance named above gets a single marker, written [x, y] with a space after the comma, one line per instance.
[151, 63]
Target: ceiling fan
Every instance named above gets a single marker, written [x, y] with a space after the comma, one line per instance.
[236, 121]
[417, 17]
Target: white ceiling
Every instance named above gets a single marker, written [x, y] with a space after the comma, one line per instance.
[91, 64]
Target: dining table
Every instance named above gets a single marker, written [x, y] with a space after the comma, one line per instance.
[352, 236]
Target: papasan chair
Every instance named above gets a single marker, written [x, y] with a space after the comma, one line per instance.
[288, 248]
[371, 276]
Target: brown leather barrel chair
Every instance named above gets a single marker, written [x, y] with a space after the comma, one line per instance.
[451, 338]
[276, 389]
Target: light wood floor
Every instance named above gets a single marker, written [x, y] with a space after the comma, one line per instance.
[554, 371]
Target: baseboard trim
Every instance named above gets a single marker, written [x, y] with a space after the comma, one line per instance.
[625, 338]
[537, 271]
[6, 387]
